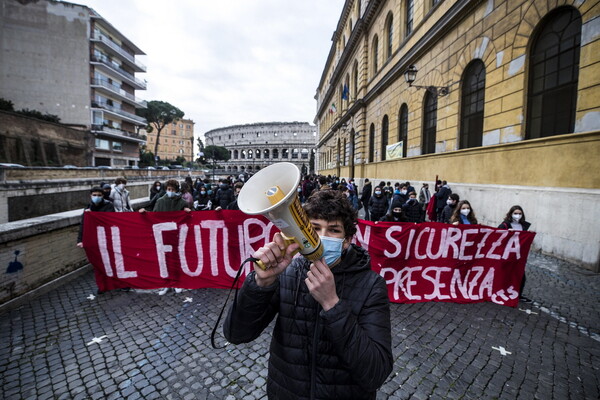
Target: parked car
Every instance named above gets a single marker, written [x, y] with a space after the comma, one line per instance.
[150, 168]
[165, 168]
[70, 166]
[10, 165]
[104, 167]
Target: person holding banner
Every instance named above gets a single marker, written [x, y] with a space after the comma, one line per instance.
[332, 337]
[515, 221]
[97, 203]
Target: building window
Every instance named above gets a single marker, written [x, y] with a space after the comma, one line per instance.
[284, 153]
[473, 91]
[429, 124]
[235, 154]
[295, 153]
[375, 54]
[371, 142]
[553, 75]
[257, 152]
[304, 154]
[384, 136]
[409, 16]
[389, 35]
[266, 153]
[117, 146]
[275, 154]
[403, 128]
[102, 144]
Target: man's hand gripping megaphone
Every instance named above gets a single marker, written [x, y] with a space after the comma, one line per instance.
[273, 258]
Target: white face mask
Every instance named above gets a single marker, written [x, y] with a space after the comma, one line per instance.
[449, 202]
[517, 217]
[465, 211]
[121, 186]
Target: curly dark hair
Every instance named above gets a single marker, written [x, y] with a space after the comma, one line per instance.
[332, 205]
[172, 183]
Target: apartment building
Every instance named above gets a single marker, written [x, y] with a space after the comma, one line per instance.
[65, 59]
[176, 140]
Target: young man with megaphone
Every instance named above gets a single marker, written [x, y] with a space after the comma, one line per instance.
[332, 337]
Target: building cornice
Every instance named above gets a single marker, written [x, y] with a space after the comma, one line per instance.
[453, 16]
[257, 124]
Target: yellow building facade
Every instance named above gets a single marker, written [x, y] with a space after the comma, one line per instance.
[176, 140]
[503, 103]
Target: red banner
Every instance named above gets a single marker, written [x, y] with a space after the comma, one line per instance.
[420, 262]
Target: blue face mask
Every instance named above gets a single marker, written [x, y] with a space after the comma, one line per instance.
[96, 199]
[332, 249]
[170, 194]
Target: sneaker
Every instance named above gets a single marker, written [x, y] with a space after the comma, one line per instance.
[162, 291]
[178, 290]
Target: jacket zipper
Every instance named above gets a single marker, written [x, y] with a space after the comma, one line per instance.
[313, 372]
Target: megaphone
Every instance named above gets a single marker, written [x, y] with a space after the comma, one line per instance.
[272, 192]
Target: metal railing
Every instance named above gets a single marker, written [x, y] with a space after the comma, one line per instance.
[118, 49]
[108, 62]
[114, 131]
[116, 89]
[119, 111]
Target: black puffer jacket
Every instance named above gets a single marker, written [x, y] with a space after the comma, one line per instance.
[344, 353]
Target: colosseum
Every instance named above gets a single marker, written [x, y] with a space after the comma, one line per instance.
[255, 146]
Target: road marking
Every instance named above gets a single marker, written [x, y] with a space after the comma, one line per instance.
[97, 340]
[188, 300]
[91, 297]
[502, 350]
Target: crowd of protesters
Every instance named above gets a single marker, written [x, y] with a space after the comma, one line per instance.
[385, 202]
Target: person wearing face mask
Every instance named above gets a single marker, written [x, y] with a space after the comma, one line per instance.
[203, 202]
[515, 221]
[120, 196]
[171, 201]
[463, 214]
[412, 209]
[97, 203]
[451, 203]
[378, 204]
[395, 213]
[332, 335]
[106, 189]
[224, 196]
[157, 191]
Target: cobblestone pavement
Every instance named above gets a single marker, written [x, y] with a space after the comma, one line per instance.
[138, 345]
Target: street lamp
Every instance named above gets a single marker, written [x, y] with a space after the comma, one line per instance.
[410, 75]
[213, 158]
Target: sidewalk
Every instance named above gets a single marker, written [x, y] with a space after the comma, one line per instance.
[138, 345]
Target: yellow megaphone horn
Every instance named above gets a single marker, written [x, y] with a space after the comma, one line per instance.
[272, 192]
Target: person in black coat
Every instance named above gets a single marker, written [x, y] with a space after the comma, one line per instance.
[515, 221]
[224, 196]
[412, 209]
[97, 203]
[378, 204]
[332, 335]
[448, 210]
[395, 213]
[440, 198]
[365, 196]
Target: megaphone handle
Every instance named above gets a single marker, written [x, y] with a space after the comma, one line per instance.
[287, 241]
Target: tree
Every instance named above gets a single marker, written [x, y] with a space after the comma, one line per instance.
[216, 153]
[201, 158]
[159, 114]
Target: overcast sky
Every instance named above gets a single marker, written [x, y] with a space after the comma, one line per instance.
[228, 62]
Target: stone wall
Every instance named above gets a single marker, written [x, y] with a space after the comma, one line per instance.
[33, 142]
[36, 251]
